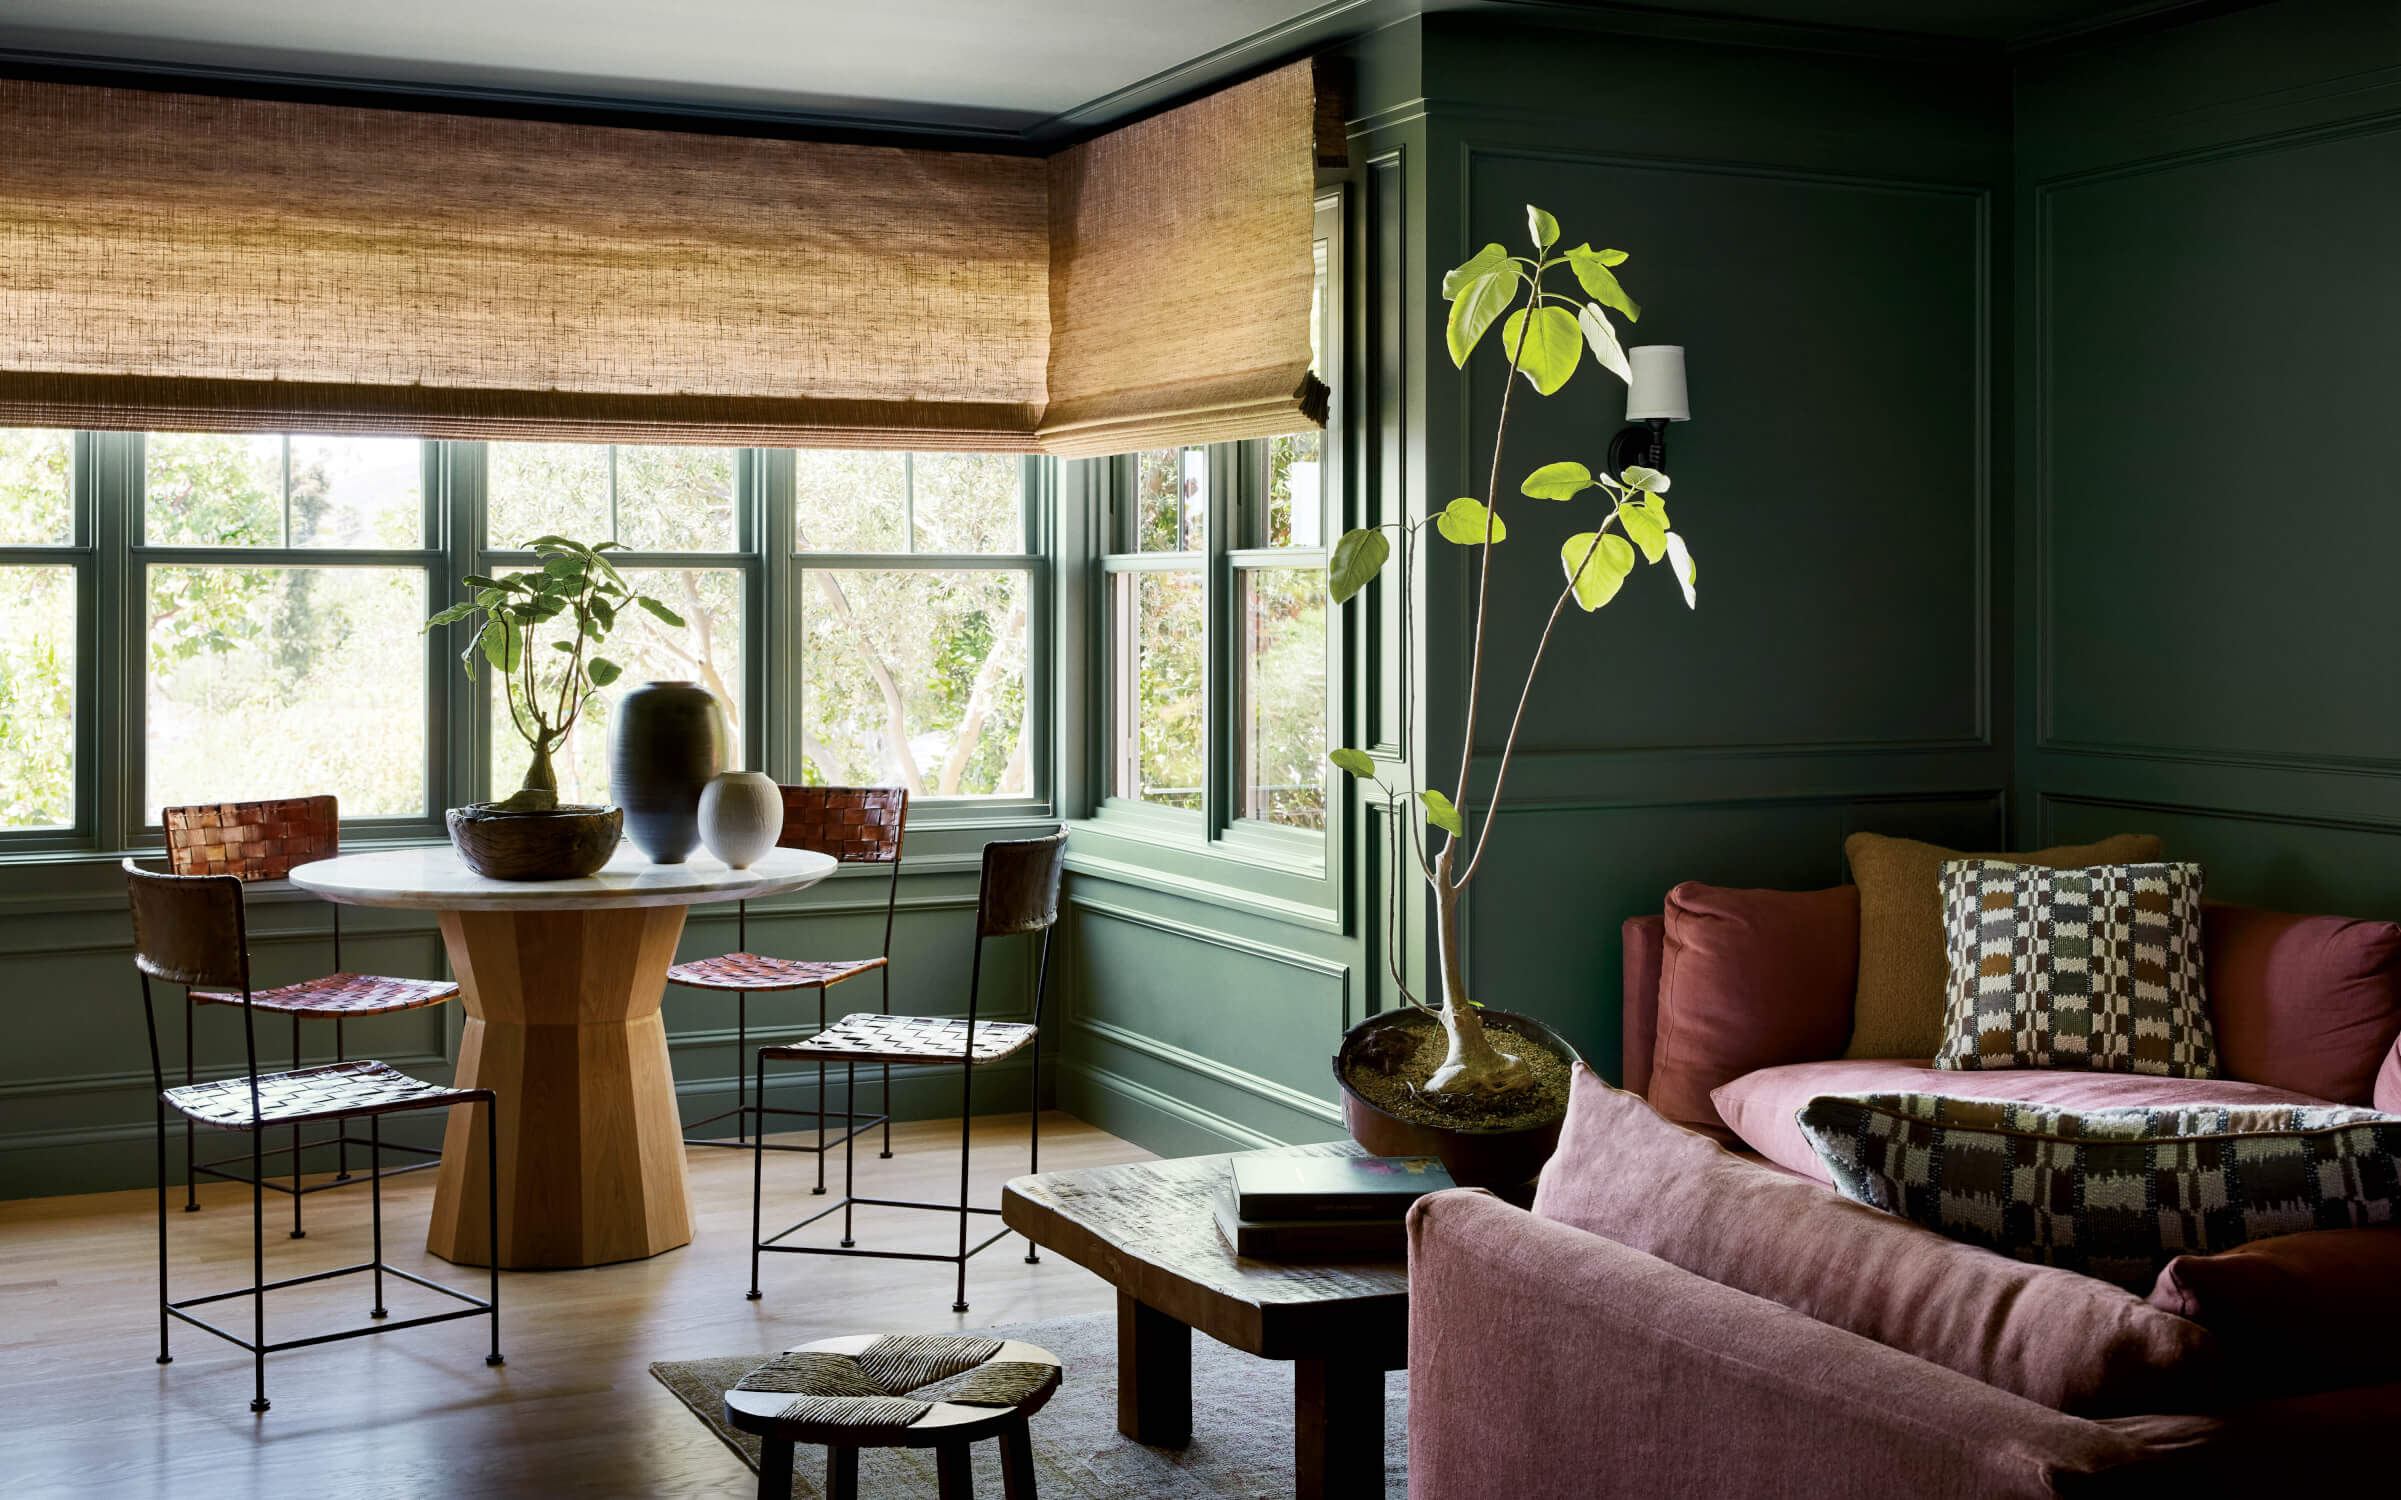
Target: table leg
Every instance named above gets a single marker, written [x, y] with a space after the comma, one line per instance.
[1154, 1375]
[1337, 1430]
[563, 1026]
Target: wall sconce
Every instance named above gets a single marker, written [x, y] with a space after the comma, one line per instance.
[1654, 398]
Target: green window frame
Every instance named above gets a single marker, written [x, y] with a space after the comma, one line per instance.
[1211, 549]
[111, 561]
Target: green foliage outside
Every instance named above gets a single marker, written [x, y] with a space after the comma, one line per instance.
[37, 637]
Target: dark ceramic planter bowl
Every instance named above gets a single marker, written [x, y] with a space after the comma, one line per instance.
[1496, 1159]
[567, 843]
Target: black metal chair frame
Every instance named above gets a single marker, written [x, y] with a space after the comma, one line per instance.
[342, 1139]
[1051, 848]
[750, 1136]
[257, 1345]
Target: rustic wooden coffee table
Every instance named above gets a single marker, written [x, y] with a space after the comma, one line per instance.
[1146, 1228]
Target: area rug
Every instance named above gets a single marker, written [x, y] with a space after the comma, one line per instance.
[1241, 1427]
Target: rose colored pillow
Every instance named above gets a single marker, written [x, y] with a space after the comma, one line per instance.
[1902, 967]
[1748, 980]
[2310, 1004]
[2309, 1311]
[2053, 1336]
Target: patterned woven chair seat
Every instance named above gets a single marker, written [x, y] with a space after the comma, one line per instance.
[757, 972]
[905, 1391]
[321, 1093]
[334, 995]
[908, 1039]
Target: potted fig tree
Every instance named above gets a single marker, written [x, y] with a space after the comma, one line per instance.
[1485, 1088]
[567, 606]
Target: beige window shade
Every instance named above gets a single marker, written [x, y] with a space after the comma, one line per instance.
[186, 262]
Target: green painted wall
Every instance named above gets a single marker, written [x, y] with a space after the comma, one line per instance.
[2207, 466]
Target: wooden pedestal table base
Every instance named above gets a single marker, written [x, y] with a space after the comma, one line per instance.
[1146, 1228]
[563, 1026]
[561, 982]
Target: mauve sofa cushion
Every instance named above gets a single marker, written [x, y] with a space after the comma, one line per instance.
[2305, 1003]
[2065, 1340]
[2301, 1312]
[1761, 1106]
[1645, 937]
[1748, 980]
[2388, 1082]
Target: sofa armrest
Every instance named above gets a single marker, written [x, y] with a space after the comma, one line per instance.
[1645, 940]
[1546, 1361]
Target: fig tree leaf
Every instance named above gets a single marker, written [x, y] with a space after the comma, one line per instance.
[1456, 280]
[1602, 339]
[1462, 521]
[1559, 481]
[1599, 282]
[1358, 557]
[1441, 813]
[1679, 557]
[603, 671]
[1641, 478]
[1604, 573]
[1353, 761]
[660, 610]
[1552, 346]
[1542, 227]
[1644, 529]
[1478, 303]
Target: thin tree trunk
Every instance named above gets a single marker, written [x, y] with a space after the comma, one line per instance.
[979, 705]
[896, 717]
[1471, 1065]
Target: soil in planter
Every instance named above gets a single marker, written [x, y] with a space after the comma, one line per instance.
[1401, 1091]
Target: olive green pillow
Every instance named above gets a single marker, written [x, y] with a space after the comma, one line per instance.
[1903, 973]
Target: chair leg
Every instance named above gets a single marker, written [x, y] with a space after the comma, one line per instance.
[742, 1051]
[758, 1165]
[841, 1476]
[375, 1205]
[775, 1468]
[341, 1133]
[164, 1357]
[887, 1151]
[954, 1476]
[820, 1187]
[492, 1218]
[966, 1138]
[191, 1178]
[298, 1233]
[1033, 1146]
[1017, 1461]
[850, 1141]
[258, 1268]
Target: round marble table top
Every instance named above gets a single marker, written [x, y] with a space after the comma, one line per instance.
[435, 879]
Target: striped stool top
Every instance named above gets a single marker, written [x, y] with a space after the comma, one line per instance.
[893, 1391]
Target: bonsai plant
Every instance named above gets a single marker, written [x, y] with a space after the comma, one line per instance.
[1552, 307]
[576, 597]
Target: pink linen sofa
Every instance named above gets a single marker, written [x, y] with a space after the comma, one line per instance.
[1688, 1316]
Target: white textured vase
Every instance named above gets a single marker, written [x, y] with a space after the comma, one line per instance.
[741, 815]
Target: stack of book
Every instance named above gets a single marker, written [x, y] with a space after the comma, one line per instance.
[1284, 1207]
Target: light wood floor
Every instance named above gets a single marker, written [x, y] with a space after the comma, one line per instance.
[84, 1411]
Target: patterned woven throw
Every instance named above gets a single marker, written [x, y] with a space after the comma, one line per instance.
[895, 1381]
[2114, 1193]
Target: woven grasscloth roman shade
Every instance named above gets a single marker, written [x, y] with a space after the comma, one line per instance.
[184, 262]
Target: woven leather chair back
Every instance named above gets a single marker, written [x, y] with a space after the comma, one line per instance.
[252, 840]
[858, 825]
[1021, 885]
[188, 929]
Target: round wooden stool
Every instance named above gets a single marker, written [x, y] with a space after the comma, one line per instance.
[939, 1391]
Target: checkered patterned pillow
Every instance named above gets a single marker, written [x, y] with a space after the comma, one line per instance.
[2114, 1193]
[2096, 969]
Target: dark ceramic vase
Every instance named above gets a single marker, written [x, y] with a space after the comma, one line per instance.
[1502, 1160]
[670, 740]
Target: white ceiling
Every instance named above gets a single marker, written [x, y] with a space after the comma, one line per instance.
[1000, 63]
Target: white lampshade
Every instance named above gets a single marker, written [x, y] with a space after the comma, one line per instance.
[1657, 389]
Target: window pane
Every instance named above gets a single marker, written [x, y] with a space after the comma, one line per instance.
[1161, 618]
[206, 489]
[845, 501]
[358, 492]
[966, 502]
[676, 499]
[34, 488]
[287, 682]
[708, 650]
[1293, 506]
[37, 697]
[546, 489]
[915, 679]
[1284, 696]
